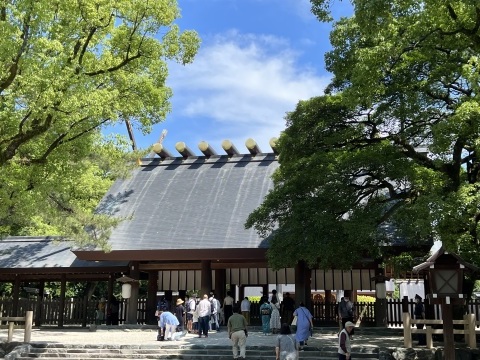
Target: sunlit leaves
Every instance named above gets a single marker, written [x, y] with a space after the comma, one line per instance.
[67, 70]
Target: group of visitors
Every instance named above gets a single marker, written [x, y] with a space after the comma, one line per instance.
[107, 312]
[203, 315]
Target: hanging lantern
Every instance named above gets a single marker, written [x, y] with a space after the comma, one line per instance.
[126, 290]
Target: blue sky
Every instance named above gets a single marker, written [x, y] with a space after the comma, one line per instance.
[258, 58]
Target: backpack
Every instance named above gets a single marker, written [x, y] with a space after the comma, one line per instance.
[188, 308]
[213, 306]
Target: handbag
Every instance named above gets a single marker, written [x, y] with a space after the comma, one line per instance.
[294, 321]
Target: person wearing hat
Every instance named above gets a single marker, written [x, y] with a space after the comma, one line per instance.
[344, 345]
[419, 312]
[180, 313]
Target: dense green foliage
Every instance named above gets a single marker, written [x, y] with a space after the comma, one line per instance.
[390, 152]
[68, 69]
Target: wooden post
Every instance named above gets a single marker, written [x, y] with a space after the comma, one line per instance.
[152, 297]
[11, 324]
[206, 280]
[470, 336]
[16, 296]
[28, 326]
[220, 284]
[447, 315]
[61, 310]
[407, 330]
[85, 310]
[40, 297]
[429, 336]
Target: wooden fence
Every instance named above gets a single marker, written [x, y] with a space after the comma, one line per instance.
[78, 311]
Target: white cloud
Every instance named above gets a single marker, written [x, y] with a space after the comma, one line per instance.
[244, 83]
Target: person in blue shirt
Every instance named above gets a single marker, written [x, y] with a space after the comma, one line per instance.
[167, 323]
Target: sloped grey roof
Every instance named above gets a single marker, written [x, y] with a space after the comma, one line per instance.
[192, 203]
[28, 252]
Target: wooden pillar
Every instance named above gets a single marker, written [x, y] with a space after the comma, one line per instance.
[181, 295]
[38, 312]
[152, 297]
[206, 281]
[265, 290]
[329, 309]
[16, 296]
[111, 280]
[303, 284]
[61, 312]
[85, 309]
[133, 300]
[448, 339]
[241, 292]
[169, 298]
[220, 284]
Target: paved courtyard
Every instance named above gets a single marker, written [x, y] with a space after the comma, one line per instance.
[322, 337]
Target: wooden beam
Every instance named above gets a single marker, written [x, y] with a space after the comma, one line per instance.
[198, 265]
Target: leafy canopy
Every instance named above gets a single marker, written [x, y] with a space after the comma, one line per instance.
[391, 151]
[68, 69]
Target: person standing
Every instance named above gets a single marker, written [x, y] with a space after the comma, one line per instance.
[304, 325]
[214, 307]
[204, 312]
[286, 347]
[245, 307]
[344, 345]
[112, 311]
[167, 323]
[288, 308]
[100, 312]
[346, 312]
[195, 324]
[419, 313]
[265, 312]
[275, 318]
[237, 332]
[180, 313]
[228, 306]
[190, 309]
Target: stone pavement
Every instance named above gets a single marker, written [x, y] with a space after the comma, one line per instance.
[146, 335]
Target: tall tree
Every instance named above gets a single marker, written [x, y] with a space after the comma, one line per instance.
[391, 150]
[68, 69]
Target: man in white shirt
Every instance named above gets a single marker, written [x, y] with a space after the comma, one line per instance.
[245, 308]
[228, 306]
[204, 313]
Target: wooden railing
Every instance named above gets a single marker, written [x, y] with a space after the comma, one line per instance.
[10, 324]
[79, 311]
[468, 330]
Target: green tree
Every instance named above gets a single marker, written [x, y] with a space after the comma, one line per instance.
[390, 152]
[67, 70]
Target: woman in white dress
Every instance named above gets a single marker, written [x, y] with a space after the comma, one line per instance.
[275, 323]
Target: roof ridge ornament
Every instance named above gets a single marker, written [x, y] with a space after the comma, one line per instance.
[206, 149]
[273, 144]
[229, 148]
[183, 149]
[253, 147]
[161, 151]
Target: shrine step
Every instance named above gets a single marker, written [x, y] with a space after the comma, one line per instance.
[117, 352]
